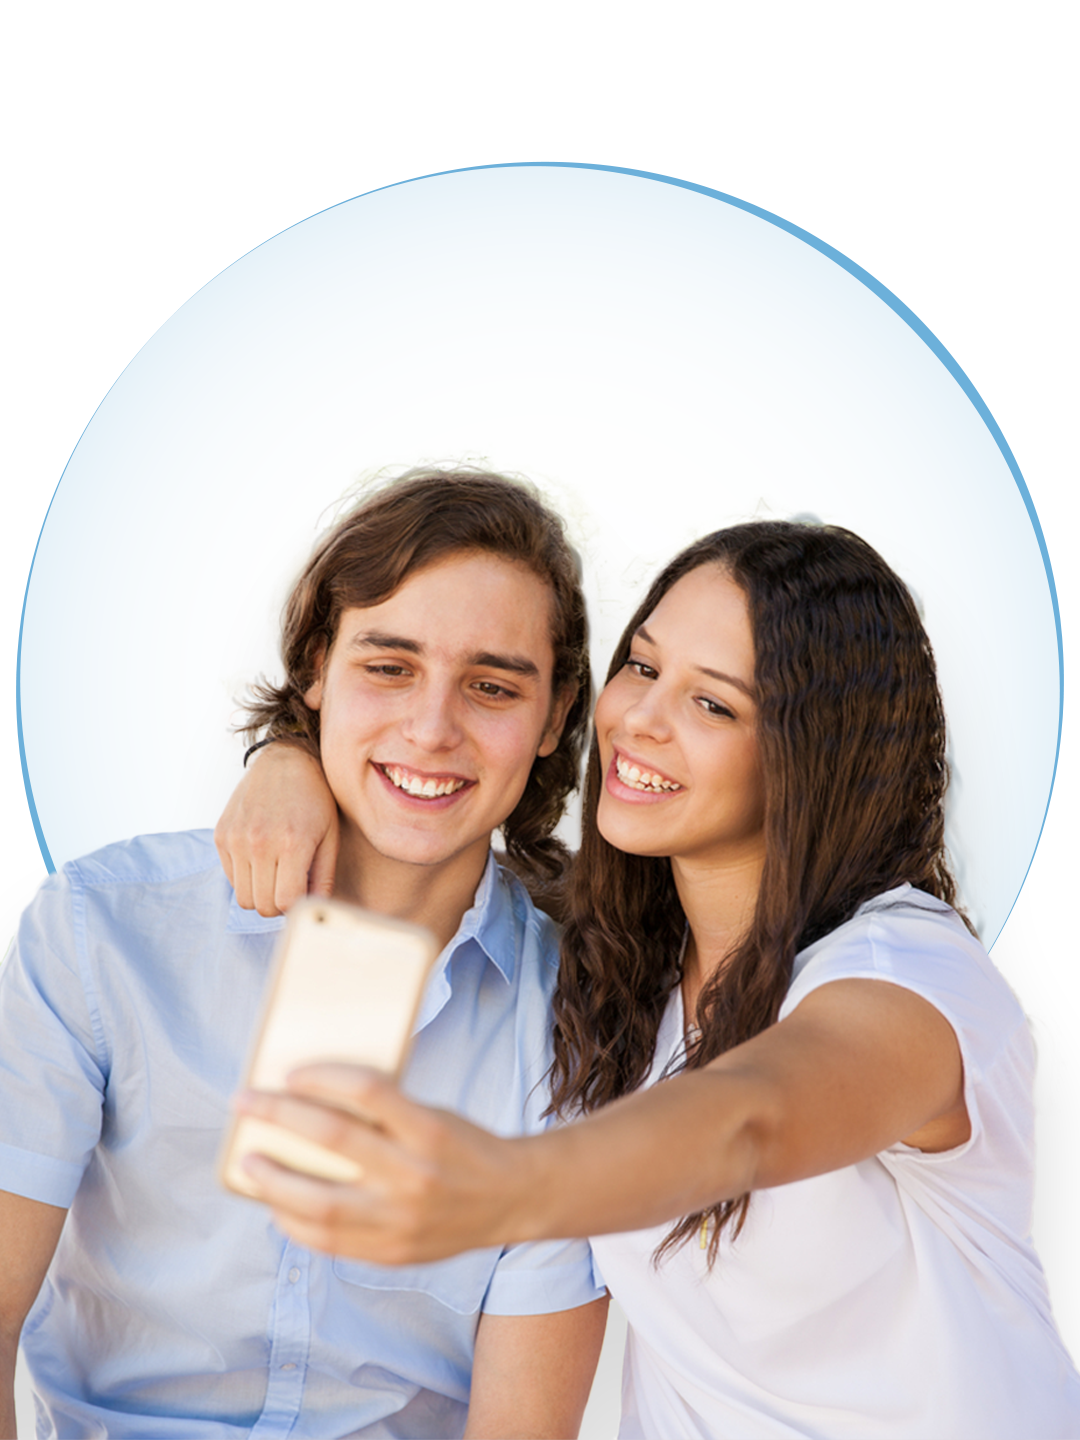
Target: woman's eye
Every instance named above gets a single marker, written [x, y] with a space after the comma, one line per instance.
[714, 707]
[640, 668]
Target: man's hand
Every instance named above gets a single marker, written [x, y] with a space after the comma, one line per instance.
[433, 1184]
[278, 836]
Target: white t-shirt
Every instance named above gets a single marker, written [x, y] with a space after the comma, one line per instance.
[900, 1297]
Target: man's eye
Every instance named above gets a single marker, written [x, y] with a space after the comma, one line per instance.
[394, 671]
[489, 687]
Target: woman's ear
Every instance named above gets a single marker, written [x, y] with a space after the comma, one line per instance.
[560, 708]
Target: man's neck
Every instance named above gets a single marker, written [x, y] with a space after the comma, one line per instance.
[436, 896]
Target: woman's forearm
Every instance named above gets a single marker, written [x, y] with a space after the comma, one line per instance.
[859, 1065]
[651, 1157]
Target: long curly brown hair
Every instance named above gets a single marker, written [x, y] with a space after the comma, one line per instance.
[414, 521]
[851, 732]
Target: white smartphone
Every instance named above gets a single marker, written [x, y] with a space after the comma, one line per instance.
[346, 986]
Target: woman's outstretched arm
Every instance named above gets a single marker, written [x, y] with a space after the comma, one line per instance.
[278, 836]
[857, 1066]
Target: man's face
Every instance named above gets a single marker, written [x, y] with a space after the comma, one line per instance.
[434, 705]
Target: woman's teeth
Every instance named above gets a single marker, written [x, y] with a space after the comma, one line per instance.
[641, 779]
[414, 785]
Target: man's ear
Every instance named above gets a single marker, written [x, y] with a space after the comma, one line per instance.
[313, 694]
[560, 708]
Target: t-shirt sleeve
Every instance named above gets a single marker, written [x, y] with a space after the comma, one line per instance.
[922, 945]
[52, 1059]
[543, 1276]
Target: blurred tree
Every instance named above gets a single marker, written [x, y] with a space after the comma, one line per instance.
[30, 473]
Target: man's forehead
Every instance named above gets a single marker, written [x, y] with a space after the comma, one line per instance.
[363, 639]
[470, 606]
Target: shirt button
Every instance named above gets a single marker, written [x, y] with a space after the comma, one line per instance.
[289, 1365]
[294, 1275]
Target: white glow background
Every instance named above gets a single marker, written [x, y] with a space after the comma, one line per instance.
[665, 361]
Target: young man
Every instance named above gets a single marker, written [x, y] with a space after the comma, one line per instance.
[435, 660]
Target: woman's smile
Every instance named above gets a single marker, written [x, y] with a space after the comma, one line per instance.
[633, 780]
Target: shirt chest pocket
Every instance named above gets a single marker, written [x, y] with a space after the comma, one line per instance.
[459, 1284]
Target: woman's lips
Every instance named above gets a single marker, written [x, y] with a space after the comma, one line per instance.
[630, 779]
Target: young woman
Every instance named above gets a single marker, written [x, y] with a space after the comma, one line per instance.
[801, 1094]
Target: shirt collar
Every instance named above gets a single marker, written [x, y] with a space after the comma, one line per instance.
[489, 923]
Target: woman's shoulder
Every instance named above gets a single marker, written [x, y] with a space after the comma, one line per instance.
[903, 927]
[913, 939]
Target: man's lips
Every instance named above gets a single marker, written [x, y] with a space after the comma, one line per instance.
[420, 784]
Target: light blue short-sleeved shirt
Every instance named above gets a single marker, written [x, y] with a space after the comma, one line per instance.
[172, 1307]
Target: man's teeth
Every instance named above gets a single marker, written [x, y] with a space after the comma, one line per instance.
[413, 785]
[641, 779]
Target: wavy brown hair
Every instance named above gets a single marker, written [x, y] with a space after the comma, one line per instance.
[851, 733]
[422, 517]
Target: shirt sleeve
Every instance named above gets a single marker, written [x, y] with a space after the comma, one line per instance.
[52, 1062]
[541, 1277]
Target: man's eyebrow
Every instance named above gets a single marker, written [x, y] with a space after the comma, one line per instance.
[374, 640]
[747, 690]
[515, 664]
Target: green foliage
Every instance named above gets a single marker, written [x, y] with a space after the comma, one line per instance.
[30, 474]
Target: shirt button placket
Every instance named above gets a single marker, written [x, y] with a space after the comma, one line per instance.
[290, 1341]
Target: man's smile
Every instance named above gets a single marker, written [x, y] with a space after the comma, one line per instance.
[421, 786]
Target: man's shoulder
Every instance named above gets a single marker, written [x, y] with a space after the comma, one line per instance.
[147, 860]
[170, 874]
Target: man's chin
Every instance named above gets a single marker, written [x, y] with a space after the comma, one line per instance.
[419, 850]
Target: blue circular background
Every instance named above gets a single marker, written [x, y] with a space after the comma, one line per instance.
[661, 358]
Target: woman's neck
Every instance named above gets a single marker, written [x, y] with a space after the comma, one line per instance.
[718, 901]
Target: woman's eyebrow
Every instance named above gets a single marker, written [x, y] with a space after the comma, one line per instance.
[747, 690]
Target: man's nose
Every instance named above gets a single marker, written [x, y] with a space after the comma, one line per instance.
[434, 721]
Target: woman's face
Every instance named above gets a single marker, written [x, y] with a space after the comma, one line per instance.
[677, 729]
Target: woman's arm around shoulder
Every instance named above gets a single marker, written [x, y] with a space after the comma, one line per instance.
[278, 835]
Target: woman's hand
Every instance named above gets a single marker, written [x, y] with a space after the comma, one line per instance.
[278, 835]
[433, 1184]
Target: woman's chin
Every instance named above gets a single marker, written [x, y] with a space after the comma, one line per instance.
[631, 839]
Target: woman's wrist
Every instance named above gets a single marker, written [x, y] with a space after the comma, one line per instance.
[542, 1181]
[280, 745]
